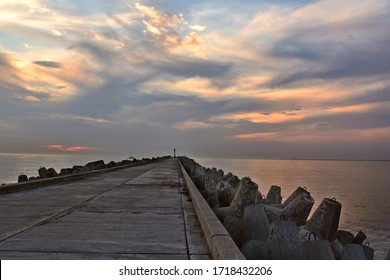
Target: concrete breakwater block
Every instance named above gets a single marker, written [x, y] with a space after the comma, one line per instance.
[283, 242]
[345, 237]
[325, 220]
[297, 210]
[95, 165]
[45, 173]
[316, 250]
[274, 195]
[296, 193]
[353, 252]
[232, 179]
[22, 178]
[247, 194]
[233, 225]
[368, 251]
[254, 249]
[267, 227]
[225, 193]
[255, 224]
[51, 172]
[359, 238]
[42, 172]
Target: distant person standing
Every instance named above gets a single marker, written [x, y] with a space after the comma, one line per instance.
[174, 153]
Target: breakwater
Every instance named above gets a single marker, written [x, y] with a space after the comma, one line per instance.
[265, 227]
[48, 176]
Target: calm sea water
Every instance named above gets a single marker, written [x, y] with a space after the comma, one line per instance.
[12, 165]
[362, 187]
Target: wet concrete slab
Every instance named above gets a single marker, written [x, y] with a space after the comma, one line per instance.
[135, 213]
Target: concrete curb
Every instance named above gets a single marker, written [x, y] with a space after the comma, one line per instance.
[16, 187]
[220, 243]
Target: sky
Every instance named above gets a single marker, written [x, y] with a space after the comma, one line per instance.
[270, 79]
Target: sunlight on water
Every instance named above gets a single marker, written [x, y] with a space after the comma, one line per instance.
[362, 187]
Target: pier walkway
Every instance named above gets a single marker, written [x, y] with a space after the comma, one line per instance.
[141, 212]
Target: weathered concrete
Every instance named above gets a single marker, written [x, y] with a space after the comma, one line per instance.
[218, 239]
[325, 220]
[140, 212]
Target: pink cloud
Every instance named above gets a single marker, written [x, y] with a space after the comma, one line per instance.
[69, 149]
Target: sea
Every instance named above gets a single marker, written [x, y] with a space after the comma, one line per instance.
[362, 187]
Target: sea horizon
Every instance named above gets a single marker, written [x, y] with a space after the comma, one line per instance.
[362, 186]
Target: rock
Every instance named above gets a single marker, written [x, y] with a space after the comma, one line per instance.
[22, 178]
[283, 242]
[255, 224]
[254, 249]
[32, 178]
[111, 164]
[345, 237]
[388, 255]
[353, 252]
[225, 194]
[274, 195]
[42, 172]
[359, 238]
[51, 173]
[246, 194]
[325, 220]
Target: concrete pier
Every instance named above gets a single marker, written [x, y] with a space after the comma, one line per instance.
[141, 212]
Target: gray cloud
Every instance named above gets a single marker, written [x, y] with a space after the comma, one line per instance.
[335, 51]
[48, 64]
[184, 67]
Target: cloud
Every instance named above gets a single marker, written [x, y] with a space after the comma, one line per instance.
[191, 125]
[371, 135]
[263, 71]
[198, 28]
[167, 30]
[48, 64]
[69, 149]
[186, 67]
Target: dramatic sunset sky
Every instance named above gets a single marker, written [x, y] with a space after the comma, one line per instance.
[306, 79]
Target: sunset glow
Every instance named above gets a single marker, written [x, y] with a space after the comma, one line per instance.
[208, 76]
[69, 149]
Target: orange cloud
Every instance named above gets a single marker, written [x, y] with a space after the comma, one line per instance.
[311, 134]
[69, 149]
[255, 117]
[189, 125]
[166, 29]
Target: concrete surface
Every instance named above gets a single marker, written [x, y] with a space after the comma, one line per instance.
[142, 212]
[219, 241]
